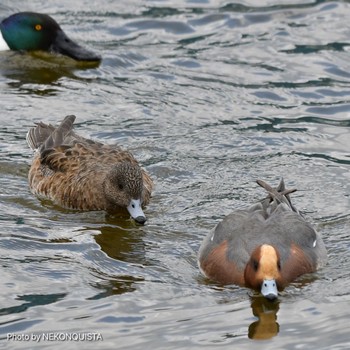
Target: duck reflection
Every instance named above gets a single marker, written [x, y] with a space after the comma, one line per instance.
[123, 242]
[266, 326]
[38, 68]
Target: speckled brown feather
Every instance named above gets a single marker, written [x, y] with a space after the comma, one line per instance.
[69, 169]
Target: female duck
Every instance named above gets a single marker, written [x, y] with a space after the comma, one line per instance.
[30, 31]
[79, 173]
[264, 247]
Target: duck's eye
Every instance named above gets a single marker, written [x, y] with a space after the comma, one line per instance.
[255, 265]
[121, 187]
[38, 27]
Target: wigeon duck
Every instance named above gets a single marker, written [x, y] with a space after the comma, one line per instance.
[78, 173]
[30, 31]
[264, 247]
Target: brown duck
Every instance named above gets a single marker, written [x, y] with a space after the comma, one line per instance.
[79, 173]
[264, 247]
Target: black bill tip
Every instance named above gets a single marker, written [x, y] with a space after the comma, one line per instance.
[68, 47]
[140, 220]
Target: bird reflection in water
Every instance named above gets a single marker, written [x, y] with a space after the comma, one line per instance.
[39, 68]
[124, 244]
[266, 326]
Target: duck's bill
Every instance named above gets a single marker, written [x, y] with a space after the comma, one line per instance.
[269, 289]
[136, 212]
[67, 47]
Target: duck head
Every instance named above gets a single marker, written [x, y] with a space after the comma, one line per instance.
[123, 188]
[30, 31]
[263, 271]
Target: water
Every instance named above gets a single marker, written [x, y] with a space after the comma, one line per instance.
[209, 96]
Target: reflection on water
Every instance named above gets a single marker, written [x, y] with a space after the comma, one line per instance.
[116, 286]
[31, 301]
[266, 326]
[122, 244]
[39, 68]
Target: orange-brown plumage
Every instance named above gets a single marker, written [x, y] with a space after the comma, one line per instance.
[83, 174]
[216, 264]
[264, 247]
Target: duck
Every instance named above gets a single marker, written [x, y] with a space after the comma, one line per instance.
[82, 174]
[31, 31]
[263, 247]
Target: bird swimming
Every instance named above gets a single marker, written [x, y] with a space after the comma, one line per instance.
[264, 247]
[78, 173]
[31, 31]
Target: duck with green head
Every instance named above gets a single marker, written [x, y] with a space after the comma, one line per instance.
[30, 31]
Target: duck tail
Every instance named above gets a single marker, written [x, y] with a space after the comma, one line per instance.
[56, 138]
[46, 136]
[279, 194]
[37, 135]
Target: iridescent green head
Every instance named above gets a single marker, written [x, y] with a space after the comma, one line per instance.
[31, 31]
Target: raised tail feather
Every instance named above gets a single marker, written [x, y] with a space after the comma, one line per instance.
[279, 194]
[37, 135]
[45, 136]
[56, 138]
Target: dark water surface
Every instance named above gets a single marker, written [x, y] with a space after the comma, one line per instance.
[209, 96]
